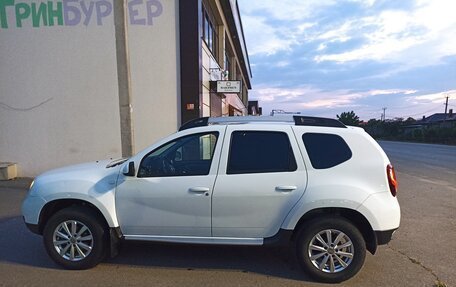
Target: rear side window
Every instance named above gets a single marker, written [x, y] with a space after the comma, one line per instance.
[260, 152]
[326, 150]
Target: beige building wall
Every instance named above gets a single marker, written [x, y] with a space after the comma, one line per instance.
[58, 93]
[59, 87]
[154, 64]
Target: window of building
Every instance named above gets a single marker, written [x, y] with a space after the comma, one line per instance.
[260, 152]
[185, 156]
[210, 35]
[326, 150]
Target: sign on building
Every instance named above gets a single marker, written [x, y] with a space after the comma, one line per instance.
[229, 86]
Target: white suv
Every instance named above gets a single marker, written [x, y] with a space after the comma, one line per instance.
[313, 182]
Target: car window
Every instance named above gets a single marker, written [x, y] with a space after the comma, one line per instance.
[185, 156]
[326, 150]
[260, 152]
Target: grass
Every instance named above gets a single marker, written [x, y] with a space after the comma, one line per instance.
[439, 283]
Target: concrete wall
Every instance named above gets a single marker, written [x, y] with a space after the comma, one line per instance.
[58, 87]
[154, 63]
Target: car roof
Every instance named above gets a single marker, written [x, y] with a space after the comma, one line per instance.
[282, 119]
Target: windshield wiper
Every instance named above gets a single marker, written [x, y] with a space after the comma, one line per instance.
[116, 162]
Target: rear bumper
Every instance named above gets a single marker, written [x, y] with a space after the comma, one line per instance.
[382, 210]
[383, 237]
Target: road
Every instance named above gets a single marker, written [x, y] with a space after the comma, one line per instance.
[422, 251]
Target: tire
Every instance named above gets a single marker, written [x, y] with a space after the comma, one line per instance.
[321, 261]
[82, 242]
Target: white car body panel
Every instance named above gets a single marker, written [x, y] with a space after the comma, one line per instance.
[251, 205]
[351, 183]
[91, 182]
[382, 211]
[166, 205]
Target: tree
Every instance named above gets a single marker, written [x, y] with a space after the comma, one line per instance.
[349, 118]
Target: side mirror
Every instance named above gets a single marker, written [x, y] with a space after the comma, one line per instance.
[178, 156]
[129, 169]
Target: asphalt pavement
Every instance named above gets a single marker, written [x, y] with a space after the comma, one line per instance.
[422, 251]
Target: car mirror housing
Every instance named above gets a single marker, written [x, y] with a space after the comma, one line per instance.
[129, 169]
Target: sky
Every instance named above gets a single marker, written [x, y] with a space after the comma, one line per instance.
[325, 57]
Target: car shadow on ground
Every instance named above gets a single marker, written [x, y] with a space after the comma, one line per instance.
[276, 262]
[20, 246]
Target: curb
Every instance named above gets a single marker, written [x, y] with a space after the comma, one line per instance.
[17, 183]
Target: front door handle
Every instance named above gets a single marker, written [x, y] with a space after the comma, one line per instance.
[198, 189]
[285, 188]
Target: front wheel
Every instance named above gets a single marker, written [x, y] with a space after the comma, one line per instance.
[331, 249]
[75, 238]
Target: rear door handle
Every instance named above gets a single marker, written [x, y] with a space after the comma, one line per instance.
[198, 189]
[285, 188]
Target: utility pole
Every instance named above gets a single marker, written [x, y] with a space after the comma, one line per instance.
[446, 104]
[384, 114]
[123, 77]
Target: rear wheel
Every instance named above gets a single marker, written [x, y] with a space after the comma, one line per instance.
[75, 238]
[331, 249]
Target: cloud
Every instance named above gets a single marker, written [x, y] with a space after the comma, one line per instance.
[311, 100]
[309, 97]
[271, 26]
[432, 98]
[268, 40]
[282, 64]
[420, 37]
[287, 10]
[391, 92]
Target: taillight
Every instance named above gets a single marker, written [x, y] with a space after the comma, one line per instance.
[392, 179]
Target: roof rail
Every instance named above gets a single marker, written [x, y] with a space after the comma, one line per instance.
[297, 120]
[200, 122]
[319, 122]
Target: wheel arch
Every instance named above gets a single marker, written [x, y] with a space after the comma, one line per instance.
[353, 216]
[50, 208]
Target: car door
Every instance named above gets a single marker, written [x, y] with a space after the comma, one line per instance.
[261, 177]
[171, 192]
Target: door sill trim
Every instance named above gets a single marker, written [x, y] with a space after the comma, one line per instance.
[197, 239]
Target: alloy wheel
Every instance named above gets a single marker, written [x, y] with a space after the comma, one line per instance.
[73, 240]
[331, 251]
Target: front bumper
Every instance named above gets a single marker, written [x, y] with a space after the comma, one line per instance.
[31, 208]
[35, 228]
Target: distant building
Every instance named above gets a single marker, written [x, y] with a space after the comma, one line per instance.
[255, 109]
[86, 80]
[437, 118]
